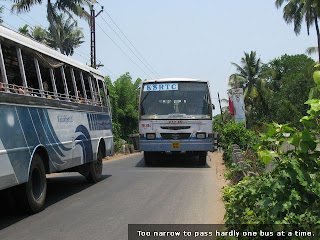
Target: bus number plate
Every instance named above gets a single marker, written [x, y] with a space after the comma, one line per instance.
[175, 145]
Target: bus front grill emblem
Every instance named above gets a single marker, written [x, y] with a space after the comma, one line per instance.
[175, 136]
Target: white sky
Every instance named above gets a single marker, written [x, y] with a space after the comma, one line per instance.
[182, 38]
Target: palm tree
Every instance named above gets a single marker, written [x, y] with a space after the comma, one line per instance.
[296, 10]
[1, 10]
[69, 34]
[53, 8]
[248, 77]
[37, 33]
[312, 50]
[24, 30]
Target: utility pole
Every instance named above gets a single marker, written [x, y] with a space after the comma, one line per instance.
[220, 107]
[92, 18]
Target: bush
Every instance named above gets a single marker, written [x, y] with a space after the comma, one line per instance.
[234, 133]
[291, 193]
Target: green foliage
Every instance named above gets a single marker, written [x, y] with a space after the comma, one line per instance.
[234, 133]
[54, 11]
[289, 80]
[1, 11]
[291, 193]
[124, 95]
[70, 36]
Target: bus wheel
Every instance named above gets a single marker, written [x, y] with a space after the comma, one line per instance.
[147, 158]
[203, 158]
[156, 159]
[95, 169]
[32, 194]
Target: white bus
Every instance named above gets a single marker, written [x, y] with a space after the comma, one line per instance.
[55, 116]
[175, 115]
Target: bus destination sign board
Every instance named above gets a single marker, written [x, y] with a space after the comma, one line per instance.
[161, 87]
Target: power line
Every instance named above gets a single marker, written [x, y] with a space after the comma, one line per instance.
[18, 15]
[129, 47]
[86, 58]
[152, 70]
[123, 51]
[17, 29]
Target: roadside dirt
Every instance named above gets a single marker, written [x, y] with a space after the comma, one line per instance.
[119, 156]
[216, 162]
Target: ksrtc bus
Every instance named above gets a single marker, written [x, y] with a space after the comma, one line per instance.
[175, 116]
[55, 116]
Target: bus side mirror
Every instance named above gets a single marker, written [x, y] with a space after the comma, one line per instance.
[213, 107]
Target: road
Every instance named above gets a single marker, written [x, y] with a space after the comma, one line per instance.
[179, 192]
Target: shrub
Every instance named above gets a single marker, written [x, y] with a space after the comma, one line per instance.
[291, 193]
[235, 133]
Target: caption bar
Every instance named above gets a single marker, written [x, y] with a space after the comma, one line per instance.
[213, 231]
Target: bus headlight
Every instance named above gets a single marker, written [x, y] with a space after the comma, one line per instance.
[201, 135]
[151, 136]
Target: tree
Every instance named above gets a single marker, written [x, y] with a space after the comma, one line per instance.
[53, 8]
[70, 36]
[124, 96]
[289, 79]
[312, 50]
[24, 30]
[248, 77]
[1, 10]
[297, 10]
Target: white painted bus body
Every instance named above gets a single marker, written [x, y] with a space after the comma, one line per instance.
[176, 130]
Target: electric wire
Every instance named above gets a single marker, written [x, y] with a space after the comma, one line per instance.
[129, 47]
[152, 70]
[17, 29]
[81, 53]
[123, 51]
[17, 15]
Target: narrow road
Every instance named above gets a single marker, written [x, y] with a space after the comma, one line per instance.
[179, 192]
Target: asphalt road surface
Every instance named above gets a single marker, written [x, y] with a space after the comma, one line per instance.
[179, 192]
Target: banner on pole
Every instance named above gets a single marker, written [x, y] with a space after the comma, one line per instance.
[238, 104]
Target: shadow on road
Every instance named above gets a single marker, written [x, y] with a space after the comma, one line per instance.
[59, 188]
[175, 161]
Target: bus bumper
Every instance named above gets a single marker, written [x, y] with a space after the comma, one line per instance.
[175, 146]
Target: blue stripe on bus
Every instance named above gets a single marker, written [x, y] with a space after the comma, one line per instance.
[85, 143]
[166, 145]
[191, 138]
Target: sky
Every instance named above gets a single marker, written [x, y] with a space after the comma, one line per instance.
[180, 38]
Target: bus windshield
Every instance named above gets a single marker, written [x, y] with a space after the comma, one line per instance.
[175, 100]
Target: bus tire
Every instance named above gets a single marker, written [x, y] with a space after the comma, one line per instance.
[203, 158]
[95, 168]
[32, 194]
[156, 159]
[147, 158]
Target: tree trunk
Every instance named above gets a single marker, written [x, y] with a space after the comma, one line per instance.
[318, 36]
[53, 27]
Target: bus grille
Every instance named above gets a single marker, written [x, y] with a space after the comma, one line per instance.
[176, 127]
[175, 136]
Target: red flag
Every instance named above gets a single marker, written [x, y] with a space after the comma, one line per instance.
[231, 107]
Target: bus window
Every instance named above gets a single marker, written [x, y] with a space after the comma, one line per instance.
[46, 80]
[77, 77]
[102, 93]
[2, 76]
[31, 74]
[59, 81]
[67, 72]
[2, 82]
[87, 84]
[95, 89]
[12, 67]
